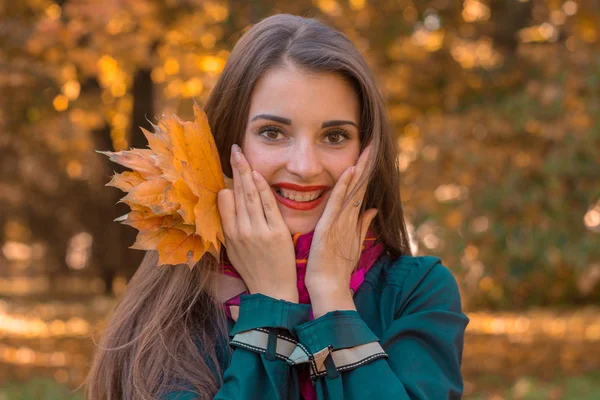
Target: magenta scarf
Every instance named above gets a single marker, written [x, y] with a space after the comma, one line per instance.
[233, 287]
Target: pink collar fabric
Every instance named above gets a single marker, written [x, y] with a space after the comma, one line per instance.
[231, 286]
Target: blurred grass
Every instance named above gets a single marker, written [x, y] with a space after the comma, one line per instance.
[38, 389]
[585, 387]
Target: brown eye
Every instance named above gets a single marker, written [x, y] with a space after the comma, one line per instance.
[334, 137]
[337, 137]
[270, 133]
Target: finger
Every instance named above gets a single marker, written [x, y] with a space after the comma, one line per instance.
[337, 196]
[226, 205]
[238, 190]
[356, 193]
[360, 169]
[251, 196]
[269, 204]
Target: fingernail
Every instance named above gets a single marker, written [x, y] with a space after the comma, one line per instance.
[256, 176]
[237, 152]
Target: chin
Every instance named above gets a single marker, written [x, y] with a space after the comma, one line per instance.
[300, 225]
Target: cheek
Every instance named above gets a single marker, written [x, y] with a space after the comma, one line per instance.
[260, 157]
[337, 163]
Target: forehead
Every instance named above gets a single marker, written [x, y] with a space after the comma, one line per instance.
[314, 97]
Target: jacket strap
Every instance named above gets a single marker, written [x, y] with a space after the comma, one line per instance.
[324, 362]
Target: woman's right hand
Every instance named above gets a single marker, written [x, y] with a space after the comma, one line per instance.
[259, 244]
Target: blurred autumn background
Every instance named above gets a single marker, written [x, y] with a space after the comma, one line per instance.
[496, 108]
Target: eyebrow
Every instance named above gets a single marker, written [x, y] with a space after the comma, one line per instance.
[287, 121]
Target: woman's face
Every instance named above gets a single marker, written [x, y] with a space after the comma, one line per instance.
[302, 133]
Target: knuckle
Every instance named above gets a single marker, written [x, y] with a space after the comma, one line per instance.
[250, 197]
[242, 165]
[268, 205]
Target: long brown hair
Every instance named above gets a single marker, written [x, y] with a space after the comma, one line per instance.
[167, 326]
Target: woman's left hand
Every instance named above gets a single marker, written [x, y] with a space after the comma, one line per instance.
[337, 243]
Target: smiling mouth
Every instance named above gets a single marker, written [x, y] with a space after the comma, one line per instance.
[299, 200]
[298, 196]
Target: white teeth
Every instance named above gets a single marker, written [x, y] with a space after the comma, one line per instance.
[299, 196]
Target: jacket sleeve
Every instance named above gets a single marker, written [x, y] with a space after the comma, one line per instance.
[423, 345]
[256, 370]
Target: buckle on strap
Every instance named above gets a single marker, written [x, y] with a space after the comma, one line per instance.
[345, 359]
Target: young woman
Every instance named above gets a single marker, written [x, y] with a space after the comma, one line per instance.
[318, 296]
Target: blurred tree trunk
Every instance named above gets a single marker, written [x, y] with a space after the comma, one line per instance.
[143, 107]
[106, 251]
[111, 239]
[507, 20]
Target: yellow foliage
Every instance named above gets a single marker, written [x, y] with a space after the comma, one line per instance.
[172, 190]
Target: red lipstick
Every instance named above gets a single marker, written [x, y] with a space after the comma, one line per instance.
[297, 205]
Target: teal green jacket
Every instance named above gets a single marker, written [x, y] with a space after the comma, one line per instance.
[405, 341]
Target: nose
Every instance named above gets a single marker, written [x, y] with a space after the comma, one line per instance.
[304, 161]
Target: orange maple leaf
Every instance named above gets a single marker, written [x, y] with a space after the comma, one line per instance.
[172, 190]
[177, 245]
[137, 159]
[126, 180]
